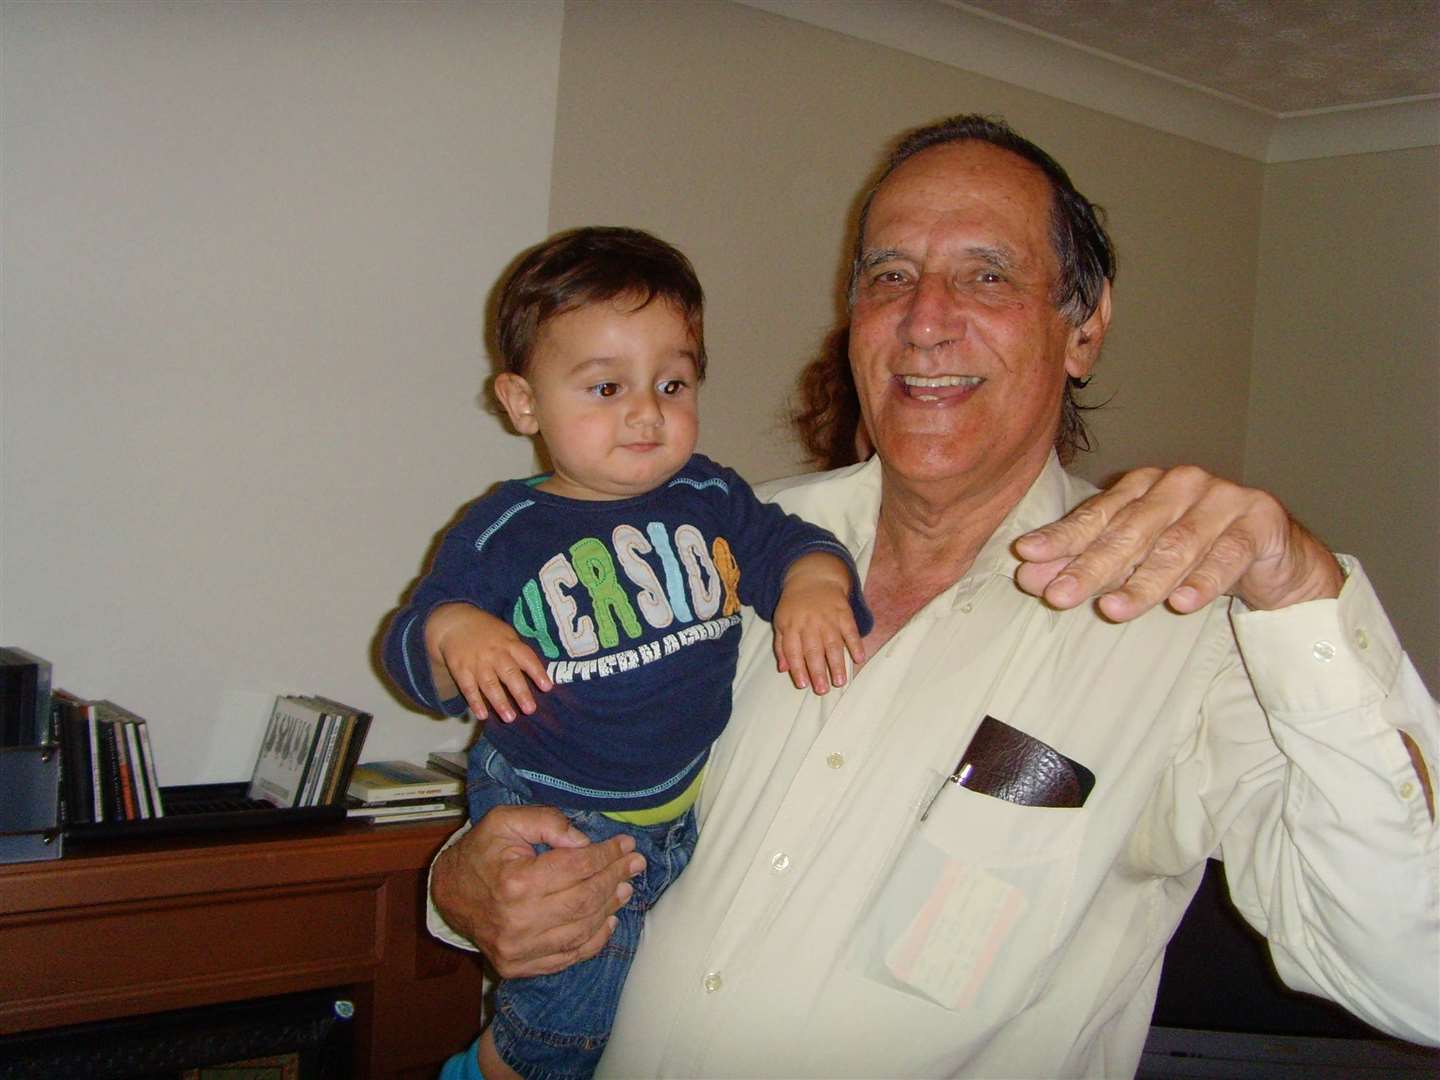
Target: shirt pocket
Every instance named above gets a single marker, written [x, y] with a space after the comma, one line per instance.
[969, 916]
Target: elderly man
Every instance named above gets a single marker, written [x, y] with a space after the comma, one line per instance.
[969, 860]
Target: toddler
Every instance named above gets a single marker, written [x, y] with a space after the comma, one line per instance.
[613, 584]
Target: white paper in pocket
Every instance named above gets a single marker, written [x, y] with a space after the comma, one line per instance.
[948, 948]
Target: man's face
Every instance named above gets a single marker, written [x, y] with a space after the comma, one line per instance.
[960, 357]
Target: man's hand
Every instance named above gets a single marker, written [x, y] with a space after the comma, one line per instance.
[480, 656]
[1177, 536]
[814, 624]
[533, 914]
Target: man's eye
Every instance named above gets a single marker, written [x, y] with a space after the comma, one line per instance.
[671, 387]
[888, 277]
[605, 389]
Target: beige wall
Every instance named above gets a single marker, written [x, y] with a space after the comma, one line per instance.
[246, 252]
[1345, 387]
[746, 139]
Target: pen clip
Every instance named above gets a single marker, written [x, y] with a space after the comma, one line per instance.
[962, 772]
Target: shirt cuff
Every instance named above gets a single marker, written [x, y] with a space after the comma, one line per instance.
[1321, 656]
[437, 926]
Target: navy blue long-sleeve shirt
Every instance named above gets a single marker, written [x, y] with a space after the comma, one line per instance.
[633, 605]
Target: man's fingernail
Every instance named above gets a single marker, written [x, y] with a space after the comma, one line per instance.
[1063, 587]
[624, 891]
[635, 865]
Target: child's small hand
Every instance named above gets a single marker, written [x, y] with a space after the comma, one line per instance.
[814, 624]
[484, 658]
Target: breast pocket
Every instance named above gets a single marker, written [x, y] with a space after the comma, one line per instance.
[970, 914]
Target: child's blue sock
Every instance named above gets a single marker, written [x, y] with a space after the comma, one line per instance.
[464, 1065]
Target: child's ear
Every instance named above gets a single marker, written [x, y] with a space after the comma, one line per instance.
[519, 402]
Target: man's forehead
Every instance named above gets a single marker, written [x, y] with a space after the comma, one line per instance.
[956, 175]
[964, 196]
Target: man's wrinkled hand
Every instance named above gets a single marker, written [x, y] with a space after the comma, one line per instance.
[1181, 537]
[533, 914]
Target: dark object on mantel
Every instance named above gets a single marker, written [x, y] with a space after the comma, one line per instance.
[196, 808]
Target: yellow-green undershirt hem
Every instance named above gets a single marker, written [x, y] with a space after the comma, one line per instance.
[656, 815]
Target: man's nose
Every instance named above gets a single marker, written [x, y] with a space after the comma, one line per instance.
[933, 315]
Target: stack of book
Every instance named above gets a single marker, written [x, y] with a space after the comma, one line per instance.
[309, 750]
[386, 791]
[107, 767]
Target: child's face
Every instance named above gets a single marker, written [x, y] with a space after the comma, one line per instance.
[613, 393]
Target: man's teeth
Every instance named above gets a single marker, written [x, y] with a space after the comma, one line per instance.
[934, 382]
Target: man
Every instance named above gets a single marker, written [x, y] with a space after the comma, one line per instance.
[870, 896]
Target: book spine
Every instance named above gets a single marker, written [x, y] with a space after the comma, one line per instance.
[409, 791]
[157, 805]
[69, 725]
[141, 789]
[342, 751]
[359, 730]
[128, 811]
[110, 770]
[97, 778]
[313, 763]
[332, 747]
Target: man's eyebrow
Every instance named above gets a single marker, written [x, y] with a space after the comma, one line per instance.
[875, 256]
[1000, 258]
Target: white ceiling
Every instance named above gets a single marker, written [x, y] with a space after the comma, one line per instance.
[1271, 80]
[1286, 57]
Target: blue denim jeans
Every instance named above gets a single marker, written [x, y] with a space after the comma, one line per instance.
[554, 1027]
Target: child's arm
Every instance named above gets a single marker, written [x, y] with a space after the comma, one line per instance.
[475, 654]
[814, 623]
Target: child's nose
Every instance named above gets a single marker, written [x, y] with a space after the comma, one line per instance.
[645, 408]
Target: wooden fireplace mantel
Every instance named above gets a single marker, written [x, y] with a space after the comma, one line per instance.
[141, 926]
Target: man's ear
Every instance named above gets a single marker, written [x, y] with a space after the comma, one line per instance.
[1082, 348]
[519, 402]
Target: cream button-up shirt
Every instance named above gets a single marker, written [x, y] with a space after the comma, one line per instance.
[823, 929]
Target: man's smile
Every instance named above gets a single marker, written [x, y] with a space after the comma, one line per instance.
[935, 388]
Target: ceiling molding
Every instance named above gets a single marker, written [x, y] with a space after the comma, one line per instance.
[1034, 60]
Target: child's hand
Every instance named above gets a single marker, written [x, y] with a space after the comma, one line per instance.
[484, 659]
[814, 624]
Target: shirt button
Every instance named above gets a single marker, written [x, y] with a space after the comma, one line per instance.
[967, 607]
[713, 982]
[1407, 790]
[780, 862]
[1362, 641]
[835, 761]
[1323, 651]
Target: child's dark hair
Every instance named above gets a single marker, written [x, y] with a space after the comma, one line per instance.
[590, 266]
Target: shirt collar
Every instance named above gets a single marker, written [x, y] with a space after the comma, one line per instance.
[1052, 494]
[1047, 500]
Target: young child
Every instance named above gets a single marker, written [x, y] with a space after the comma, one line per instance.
[613, 584]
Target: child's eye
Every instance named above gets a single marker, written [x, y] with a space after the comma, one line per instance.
[671, 387]
[605, 389]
